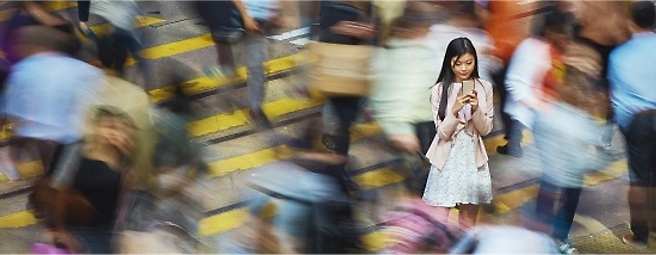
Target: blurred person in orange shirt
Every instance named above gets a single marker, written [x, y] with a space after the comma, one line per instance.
[508, 23]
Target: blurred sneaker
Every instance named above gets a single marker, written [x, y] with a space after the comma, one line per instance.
[8, 167]
[507, 150]
[632, 241]
[258, 118]
[566, 248]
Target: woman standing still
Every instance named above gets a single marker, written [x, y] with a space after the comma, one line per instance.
[459, 175]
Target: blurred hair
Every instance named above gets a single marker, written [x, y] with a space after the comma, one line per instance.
[111, 53]
[417, 14]
[456, 49]
[106, 111]
[554, 20]
[643, 14]
[46, 37]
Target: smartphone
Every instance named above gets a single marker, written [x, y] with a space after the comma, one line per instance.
[467, 87]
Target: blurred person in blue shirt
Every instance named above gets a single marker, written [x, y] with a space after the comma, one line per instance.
[633, 79]
[47, 91]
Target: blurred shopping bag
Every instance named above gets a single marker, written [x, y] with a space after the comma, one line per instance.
[43, 248]
[339, 69]
[161, 238]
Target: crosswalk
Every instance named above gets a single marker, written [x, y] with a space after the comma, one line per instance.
[218, 128]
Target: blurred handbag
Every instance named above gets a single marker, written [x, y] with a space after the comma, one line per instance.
[43, 248]
[340, 69]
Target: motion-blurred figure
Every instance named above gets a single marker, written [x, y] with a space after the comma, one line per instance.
[244, 23]
[528, 66]
[508, 24]
[572, 101]
[631, 74]
[404, 70]
[48, 92]
[504, 240]
[312, 215]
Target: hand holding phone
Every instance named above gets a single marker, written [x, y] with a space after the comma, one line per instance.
[467, 87]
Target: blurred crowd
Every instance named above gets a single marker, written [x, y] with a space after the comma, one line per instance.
[123, 175]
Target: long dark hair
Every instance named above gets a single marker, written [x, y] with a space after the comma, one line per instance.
[456, 48]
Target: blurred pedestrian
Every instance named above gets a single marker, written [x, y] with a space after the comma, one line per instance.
[602, 26]
[403, 71]
[631, 75]
[246, 23]
[346, 23]
[48, 92]
[504, 240]
[572, 102]
[508, 24]
[122, 16]
[313, 216]
[528, 66]
[97, 173]
[459, 175]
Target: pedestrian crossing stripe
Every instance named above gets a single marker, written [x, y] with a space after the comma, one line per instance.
[205, 83]
[225, 121]
[281, 152]
[18, 220]
[374, 241]
[6, 14]
[59, 5]
[226, 166]
[141, 21]
[174, 48]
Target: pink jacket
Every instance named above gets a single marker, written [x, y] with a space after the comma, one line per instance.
[479, 125]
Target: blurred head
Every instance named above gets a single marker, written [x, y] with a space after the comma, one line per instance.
[113, 127]
[643, 15]
[557, 27]
[30, 40]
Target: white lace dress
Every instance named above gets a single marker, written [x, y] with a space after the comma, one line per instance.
[460, 182]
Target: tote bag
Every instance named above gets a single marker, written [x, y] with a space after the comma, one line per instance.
[339, 69]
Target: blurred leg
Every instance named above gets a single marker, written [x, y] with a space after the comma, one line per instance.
[565, 215]
[83, 10]
[641, 147]
[468, 215]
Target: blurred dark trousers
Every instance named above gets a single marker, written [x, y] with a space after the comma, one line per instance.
[347, 110]
[556, 206]
[83, 8]
[640, 138]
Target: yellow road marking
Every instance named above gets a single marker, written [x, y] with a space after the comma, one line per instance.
[142, 21]
[378, 178]
[269, 155]
[614, 170]
[17, 220]
[6, 14]
[207, 83]
[27, 170]
[174, 48]
[237, 118]
[59, 5]
[222, 222]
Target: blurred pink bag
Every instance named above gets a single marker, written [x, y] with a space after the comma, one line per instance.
[42, 248]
